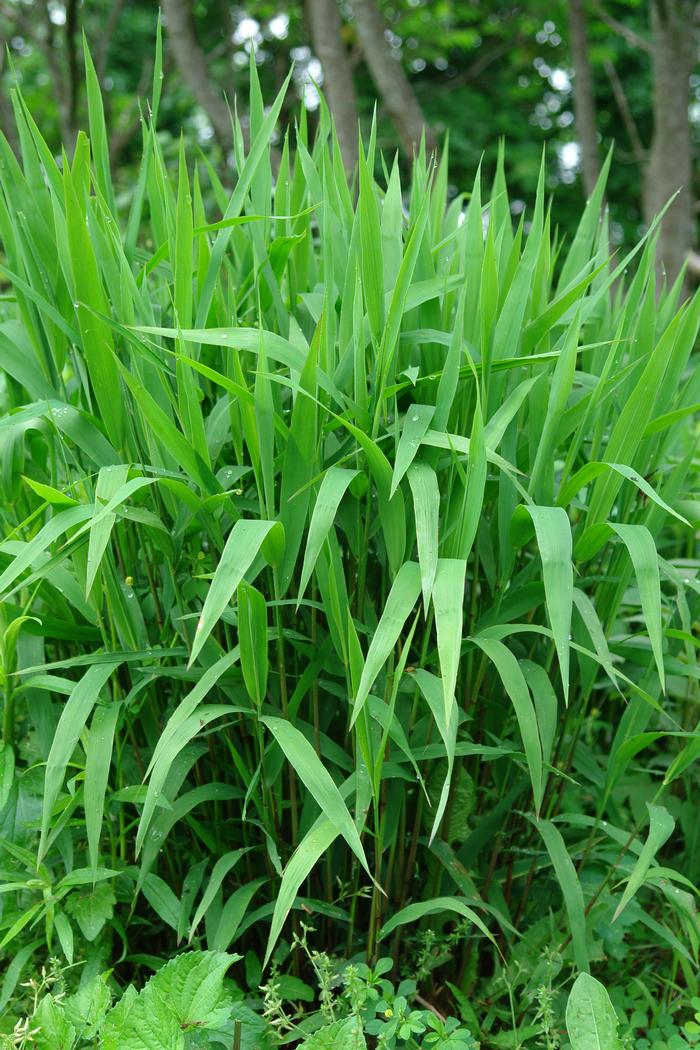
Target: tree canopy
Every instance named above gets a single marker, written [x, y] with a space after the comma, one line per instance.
[576, 78]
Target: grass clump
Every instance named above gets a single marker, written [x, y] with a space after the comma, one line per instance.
[348, 569]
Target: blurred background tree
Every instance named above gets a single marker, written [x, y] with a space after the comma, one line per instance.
[575, 77]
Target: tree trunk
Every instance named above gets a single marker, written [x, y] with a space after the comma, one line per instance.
[7, 116]
[669, 169]
[193, 66]
[64, 76]
[326, 27]
[390, 80]
[584, 99]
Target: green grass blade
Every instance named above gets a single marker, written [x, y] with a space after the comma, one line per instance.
[448, 602]
[661, 825]
[399, 606]
[252, 639]
[516, 687]
[109, 481]
[414, 912]
[553, 534]
[317, 780]
[570, 887]
[426, 511]
[416, 424]
[642, 551]
[70, 725]
[307, 854]
[335, 484]
[98, 758]
[243, 545]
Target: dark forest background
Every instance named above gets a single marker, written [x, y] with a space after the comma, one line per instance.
[577, 78]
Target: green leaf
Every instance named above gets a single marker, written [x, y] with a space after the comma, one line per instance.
[629, 426]
[162, 899]
[593, 470]
[661, 825]
[553, 534]
[446, 721]
[191, 985]
[399, 605]
[546, 705]
[96, 335]
[448, 602]
[345, 1034]
[370, 242]
[246, 174]
[413, 913]
[177, 740]
[333, 487]
[53, 1029]
[516, 687]
[65, 935]
[7, 773]
[181, 252]
[473, 498]
[317, 780]
[642, 551]
[591, 1020]
[170, 437]
[138, 1022]
[50, 532]
[426, 510]
[307, 854]
[109, 481]
[87, 1007]
[299, 462]
[233, 912]
[243, 545]
[70, 725]
[252, 640]
[98, 758]
[91, 909]
[399, 297]
[98, 130]
[644, 557]
[184, 995]
[167, 747]
[416, 424]
[221, 869]
[570, 887]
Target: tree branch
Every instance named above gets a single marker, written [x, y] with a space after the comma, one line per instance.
[194, 67]
[632, 38]
[326, 26]
[626, 113]
[131, 118]
[72, 63]
[393, 86]
[584, 97]
[478, 66]
[105, 39]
